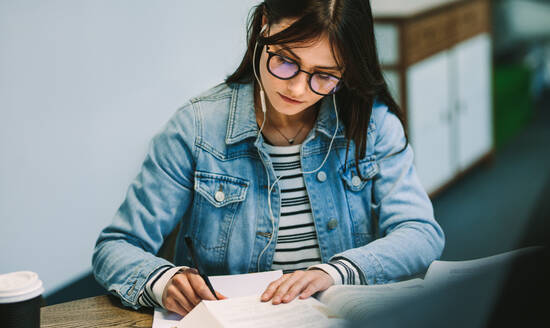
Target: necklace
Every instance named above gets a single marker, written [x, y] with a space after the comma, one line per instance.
[290, 140]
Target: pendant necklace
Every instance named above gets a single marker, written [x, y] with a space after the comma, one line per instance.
[290, 140]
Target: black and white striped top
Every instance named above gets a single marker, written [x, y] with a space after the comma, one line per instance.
[297, 246]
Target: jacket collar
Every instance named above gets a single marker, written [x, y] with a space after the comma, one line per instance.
[242, 119]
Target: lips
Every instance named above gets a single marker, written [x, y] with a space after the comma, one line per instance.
[290, 100]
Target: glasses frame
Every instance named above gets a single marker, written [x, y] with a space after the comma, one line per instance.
[310, 75]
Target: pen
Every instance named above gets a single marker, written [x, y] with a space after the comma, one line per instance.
[197, 265]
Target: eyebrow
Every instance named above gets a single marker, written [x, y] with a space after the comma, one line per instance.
[336, 68]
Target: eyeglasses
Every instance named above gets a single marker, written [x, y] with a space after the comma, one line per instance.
[286, 68]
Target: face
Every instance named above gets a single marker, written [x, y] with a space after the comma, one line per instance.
[311, 57]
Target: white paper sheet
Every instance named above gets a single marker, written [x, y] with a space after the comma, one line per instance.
[229, 286]
[244, 284]
[165, 319]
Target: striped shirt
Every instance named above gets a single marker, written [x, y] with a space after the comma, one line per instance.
[297, 244]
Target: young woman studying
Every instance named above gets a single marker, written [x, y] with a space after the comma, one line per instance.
[298, 161]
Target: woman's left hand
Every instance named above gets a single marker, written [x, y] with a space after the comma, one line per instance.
[290, 285]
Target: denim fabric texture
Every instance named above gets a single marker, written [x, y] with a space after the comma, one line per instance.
[207, 168]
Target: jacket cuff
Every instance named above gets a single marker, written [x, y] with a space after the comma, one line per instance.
[134, 285]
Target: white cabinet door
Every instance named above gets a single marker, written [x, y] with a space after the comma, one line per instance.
[472, 59]
[430, 120]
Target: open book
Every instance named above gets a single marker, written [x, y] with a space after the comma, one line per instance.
[334, 307]
[472, 285]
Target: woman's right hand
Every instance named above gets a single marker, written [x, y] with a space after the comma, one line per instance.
[185, 290]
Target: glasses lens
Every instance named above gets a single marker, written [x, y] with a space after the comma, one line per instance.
[323, 83]
[281, 67]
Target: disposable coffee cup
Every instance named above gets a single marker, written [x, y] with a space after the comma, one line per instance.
[20, 300]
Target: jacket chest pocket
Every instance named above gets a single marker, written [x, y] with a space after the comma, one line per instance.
[216, 204]
[358, 193]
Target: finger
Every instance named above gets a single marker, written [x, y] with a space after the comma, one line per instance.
[172, 305]
[181, 281]
[185, 303]
[220, 296]
[285, 285]
[200, 287]
[270, 290]
[296, 288]
[272, 287]
[177, 300]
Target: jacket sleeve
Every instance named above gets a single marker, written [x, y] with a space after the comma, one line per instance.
[124, 255]
[410, 236]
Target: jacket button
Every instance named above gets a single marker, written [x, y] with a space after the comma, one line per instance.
[219, 196]
[356, 181]
[322, 176]
[332, 224]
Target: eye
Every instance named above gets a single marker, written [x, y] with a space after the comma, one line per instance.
[324, 77]
[285, 60]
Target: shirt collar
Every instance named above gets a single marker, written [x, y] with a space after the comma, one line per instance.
[242, 119]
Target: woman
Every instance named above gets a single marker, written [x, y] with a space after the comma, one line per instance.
[297, 162]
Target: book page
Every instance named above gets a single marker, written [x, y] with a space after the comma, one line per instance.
[230, 286]
[443, 272]
[351, 302]
[251, 312]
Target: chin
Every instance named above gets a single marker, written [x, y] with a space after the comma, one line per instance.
[288, 109]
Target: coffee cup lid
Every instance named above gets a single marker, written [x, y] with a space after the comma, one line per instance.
[19, 286]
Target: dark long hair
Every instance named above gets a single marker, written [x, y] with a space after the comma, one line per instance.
[350, 30]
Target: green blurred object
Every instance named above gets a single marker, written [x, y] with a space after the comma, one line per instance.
[513, 101]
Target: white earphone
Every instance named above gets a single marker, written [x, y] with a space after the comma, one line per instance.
[262, 100]
[262, 93]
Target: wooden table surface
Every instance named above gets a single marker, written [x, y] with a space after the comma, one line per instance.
[99, 311]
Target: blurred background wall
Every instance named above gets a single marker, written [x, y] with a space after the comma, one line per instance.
[84, 85]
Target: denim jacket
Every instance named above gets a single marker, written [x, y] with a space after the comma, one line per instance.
[208, 168]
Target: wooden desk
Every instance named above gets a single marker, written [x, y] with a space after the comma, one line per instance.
[99, 311]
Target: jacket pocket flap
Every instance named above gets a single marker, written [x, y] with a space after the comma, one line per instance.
[220, 190]
[368, 168]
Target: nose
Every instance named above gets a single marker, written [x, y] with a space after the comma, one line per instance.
[298, 85]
